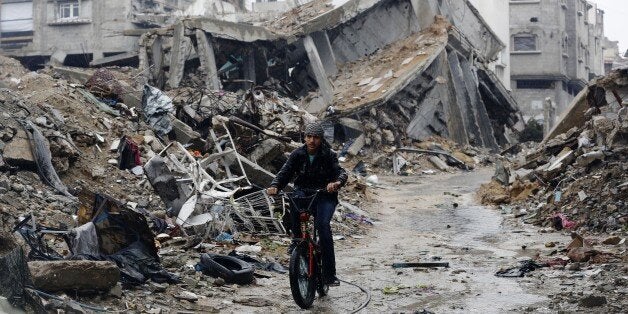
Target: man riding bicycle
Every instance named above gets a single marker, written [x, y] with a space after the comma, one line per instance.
[315, 166]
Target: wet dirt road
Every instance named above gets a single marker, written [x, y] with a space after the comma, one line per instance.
[427, 219]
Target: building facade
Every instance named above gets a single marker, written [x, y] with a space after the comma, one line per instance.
[556, 48]
[75, 32]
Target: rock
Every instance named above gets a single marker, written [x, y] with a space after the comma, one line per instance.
[438, 163]
[255, 302]
[357, 145]
[388, 136]
[502, 174]
[98, 172]
[157, 287]
[116, 291]
[186, 295]
[586, 159]
[219, 282]
[18, 187]
[266, 151]
[353, 124]
[74, 275]
[592, 301]
[614, 240]
[183, 132]
[580, 254]
[18, 151]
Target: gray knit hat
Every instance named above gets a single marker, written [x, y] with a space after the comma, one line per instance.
[315, 129]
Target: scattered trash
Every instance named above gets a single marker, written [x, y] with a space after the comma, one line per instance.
[519, 271]
[561, 221]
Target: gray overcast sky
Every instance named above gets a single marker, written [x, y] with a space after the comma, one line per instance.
[615, 21]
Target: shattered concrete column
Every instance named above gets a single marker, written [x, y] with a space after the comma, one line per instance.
[325, 52]
[318, 69]
[207, 57]
[144, 67]
[157, 55]
[177, 56]
[249, 68]
[463, 101]
[425, 10]
[477, 105]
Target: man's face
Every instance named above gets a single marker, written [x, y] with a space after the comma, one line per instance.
[312, 142]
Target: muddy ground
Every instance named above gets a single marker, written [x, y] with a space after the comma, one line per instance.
[428, 218]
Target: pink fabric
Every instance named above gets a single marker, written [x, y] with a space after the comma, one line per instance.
[567, 224]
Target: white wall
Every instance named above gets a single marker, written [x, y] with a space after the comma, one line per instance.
[496, 13]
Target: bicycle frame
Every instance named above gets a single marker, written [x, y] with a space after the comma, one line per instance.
[308, 231]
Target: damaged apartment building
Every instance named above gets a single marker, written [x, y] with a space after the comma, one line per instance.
[84, 32]
[557, 47]
[376, 71]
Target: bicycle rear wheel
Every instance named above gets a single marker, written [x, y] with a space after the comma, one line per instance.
[303, 287]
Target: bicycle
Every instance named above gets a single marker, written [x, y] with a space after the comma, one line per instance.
[306, 268]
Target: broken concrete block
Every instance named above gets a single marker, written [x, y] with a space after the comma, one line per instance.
[18, 152]
[438, 163]
[74, 275]
[357, 145]
[586, 159]
[388, 136]
[184, 132]
[352, 124]
[266, 151]
[564, 158]
[130, 96]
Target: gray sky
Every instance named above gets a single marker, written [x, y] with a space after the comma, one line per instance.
[615, 21]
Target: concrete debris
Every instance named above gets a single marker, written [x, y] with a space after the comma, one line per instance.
[55, 276]
[580, 167]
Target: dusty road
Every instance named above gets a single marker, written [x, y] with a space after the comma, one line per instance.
[418, 221]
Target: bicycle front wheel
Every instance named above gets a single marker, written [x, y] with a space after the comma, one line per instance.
[302, 285]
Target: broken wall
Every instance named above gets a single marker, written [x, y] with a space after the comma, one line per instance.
[384, 24]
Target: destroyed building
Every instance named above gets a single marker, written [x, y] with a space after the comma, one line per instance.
[423, 76]
[556, 50]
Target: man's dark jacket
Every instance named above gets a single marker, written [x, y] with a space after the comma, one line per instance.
[323, 170]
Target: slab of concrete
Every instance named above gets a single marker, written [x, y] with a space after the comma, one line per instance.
[18, 152]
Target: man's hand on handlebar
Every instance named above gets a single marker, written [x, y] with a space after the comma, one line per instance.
[333, 187]
[272, 190]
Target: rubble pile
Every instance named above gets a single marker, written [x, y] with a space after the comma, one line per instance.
[577, 178]
[186, 178]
